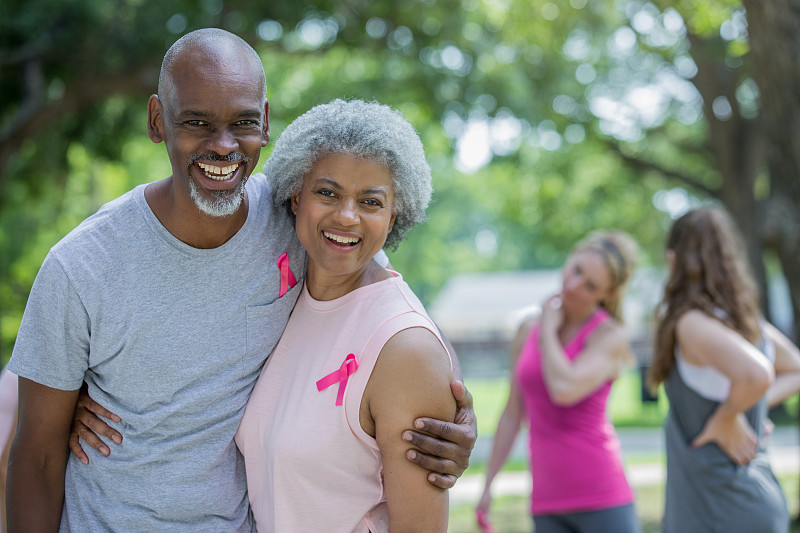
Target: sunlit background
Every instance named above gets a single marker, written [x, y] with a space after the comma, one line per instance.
[541, 120]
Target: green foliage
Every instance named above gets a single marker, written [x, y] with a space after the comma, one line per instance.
[76, 76]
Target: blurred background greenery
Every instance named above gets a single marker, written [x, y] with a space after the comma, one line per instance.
[542, 120]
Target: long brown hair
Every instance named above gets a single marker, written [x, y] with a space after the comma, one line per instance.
[708, 273]
[619, 252]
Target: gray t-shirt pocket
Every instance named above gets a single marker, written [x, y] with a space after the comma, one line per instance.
[265, 323]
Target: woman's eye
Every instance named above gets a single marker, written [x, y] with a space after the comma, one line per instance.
[325, 192]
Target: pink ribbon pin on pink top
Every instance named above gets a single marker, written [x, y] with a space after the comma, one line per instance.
[349, 366]
[287, 278]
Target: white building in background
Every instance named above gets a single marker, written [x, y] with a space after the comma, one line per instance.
[480, 313]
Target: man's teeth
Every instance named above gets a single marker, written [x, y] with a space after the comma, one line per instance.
[218, 173]
[340, 239]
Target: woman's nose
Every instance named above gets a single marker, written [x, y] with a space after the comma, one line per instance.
[347, 212]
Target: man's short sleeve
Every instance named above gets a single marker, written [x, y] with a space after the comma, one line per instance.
[52, 347]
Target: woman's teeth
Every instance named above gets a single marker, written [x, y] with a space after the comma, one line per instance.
[341, 240]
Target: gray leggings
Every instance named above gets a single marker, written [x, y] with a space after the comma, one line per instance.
[613, 520]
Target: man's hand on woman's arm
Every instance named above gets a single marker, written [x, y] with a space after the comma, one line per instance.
[447, 445]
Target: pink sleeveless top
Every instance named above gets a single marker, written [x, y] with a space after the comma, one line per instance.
[310, 466]
[574, 451]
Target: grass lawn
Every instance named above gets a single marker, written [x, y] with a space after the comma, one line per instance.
[625, 406]
[510, 514]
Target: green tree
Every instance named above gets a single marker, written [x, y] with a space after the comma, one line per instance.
[542, 119]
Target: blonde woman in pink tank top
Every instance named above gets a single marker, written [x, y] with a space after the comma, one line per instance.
[564, 362]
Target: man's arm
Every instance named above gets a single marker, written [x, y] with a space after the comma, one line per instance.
[4, 471]
[38, 458]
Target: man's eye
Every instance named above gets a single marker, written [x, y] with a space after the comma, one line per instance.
[247, 123]
[372, 202]
[195, 122]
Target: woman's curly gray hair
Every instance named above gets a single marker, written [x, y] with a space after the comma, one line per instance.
[367, 130]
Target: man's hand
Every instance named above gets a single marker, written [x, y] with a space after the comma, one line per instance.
[446, 446]
[86, 425]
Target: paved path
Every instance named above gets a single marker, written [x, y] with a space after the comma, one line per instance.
[784, 453]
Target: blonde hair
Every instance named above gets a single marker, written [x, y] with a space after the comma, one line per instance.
[708, 273]
[619, 252]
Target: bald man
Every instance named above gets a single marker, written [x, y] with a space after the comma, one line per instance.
[166, 303]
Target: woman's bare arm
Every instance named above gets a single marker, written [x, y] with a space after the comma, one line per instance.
[510, 421]
[606, 353]
[411, 379]
[705, 341]
[787, 367]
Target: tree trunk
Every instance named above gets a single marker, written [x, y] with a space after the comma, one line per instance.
[775, 48]
[774, 28]
[737, 147]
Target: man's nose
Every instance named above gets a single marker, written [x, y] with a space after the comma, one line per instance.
[223, 141]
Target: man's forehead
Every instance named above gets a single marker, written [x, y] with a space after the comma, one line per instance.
[206, 62]
[212, 83]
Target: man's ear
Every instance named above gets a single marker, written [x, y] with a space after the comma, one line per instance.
[265, 129]
[155, 119]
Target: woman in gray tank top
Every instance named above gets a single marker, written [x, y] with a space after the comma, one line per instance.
[722, 367]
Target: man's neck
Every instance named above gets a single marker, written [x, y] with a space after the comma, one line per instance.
[186, 222]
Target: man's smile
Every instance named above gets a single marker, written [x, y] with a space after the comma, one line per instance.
[218, 173]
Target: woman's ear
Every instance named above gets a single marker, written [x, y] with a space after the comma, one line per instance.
[612, 295]
[295, 202]
[670, 260]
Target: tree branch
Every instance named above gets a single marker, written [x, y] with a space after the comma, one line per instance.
[647, 165]
[35, 115]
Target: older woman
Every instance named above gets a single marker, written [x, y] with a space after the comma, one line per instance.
[359, 358]
[722, 366]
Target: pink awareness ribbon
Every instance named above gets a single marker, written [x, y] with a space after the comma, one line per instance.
[340, 376]
[287, 278]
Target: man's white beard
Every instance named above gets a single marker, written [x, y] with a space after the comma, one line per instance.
[217, 207]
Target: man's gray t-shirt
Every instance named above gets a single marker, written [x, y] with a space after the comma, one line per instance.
[172, 339]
